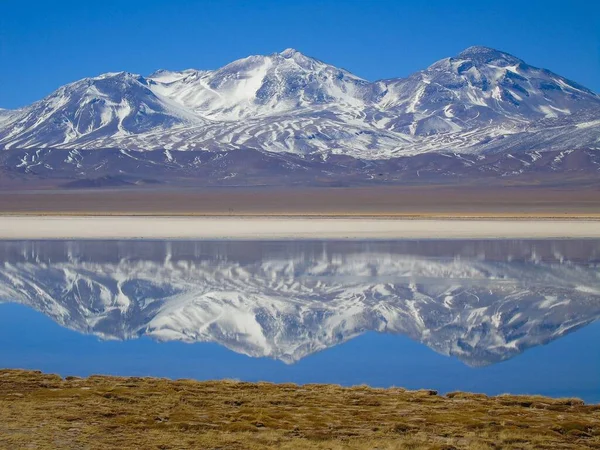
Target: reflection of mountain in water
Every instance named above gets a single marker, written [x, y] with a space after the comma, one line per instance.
[482, 302]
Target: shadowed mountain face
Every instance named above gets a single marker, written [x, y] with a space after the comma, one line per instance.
[479, 301]
[482, 104]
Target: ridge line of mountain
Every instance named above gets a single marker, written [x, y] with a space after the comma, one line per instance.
[479, 101]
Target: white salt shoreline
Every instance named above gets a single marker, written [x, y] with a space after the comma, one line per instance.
[263, 228]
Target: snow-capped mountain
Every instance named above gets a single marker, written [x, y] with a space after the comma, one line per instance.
[482, 302]
[260, 86]
[480, 101]
[479, 87]
[112, 105]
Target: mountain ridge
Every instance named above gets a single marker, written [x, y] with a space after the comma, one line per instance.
[287, 102]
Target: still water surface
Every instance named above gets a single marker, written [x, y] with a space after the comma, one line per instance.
[487, 316]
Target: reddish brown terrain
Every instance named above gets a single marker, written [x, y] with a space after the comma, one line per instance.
[418, 201]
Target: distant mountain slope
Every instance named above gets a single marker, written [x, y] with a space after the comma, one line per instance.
[480, 101]
[477, 88]
[111, 167]
[264, 86]
[113, 105]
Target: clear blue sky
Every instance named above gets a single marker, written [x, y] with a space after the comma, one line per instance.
[45, 44]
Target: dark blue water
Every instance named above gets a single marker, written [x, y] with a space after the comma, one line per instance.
[483, 316]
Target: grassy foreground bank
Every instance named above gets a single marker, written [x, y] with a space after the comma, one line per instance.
[46, 412]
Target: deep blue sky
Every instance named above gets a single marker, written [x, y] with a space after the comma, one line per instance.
[44, 44]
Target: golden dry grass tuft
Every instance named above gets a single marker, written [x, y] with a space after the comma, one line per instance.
[46, 412]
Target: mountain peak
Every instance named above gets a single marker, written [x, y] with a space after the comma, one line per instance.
[289, 53]
[296, 56]
[487, 54]
[121, 74]
[478, 50]
[123, 77]
[168, 76]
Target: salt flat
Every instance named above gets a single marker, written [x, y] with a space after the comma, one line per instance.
[181, 227]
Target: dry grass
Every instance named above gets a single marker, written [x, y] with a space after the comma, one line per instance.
[47, 412]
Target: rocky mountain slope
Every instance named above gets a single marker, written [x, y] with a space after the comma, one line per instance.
[117, 167]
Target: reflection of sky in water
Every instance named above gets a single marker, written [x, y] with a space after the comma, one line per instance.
[566, 367]
[515, 295]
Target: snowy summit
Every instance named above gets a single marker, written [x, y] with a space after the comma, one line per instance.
[480, 101]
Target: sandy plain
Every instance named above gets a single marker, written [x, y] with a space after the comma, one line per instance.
[398, 201]
[400, 212]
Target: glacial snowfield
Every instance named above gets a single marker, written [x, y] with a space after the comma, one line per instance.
[479, 302]
[481, 101]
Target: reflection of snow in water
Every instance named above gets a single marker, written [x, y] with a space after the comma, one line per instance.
[288, 300]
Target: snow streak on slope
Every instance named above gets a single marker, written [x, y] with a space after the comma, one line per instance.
[482, 100]
[262, 303]
[6, 115]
